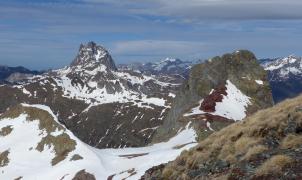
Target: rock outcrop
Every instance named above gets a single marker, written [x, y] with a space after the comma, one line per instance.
[218, 92]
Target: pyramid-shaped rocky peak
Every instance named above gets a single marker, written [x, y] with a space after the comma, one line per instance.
[93, 55]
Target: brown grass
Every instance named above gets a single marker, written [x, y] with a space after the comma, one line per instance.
[62, 145]
[291, 141]
[6, 130]
[244, 140]
[4, 158]
[274, 165]
[254, 151]
[243, 144]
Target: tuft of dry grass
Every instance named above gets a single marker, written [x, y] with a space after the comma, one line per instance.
[4, 160]
[291, 141]
[167, 173]
[6, 130]
[62, 145]
[243, 144]
[254, 151]
[274, 165]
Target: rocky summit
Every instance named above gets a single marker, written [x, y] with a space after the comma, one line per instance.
[218, 92]
[101, 105]
[93, 55]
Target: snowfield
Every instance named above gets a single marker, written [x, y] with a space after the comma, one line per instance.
[27, 162]
[233, 105]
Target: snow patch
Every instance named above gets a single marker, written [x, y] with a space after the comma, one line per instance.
[260, 82]
[233, 105]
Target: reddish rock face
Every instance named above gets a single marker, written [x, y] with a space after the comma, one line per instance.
[209, 102]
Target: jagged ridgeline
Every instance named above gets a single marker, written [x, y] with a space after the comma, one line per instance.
[266, 145]
[103, 106]
[218, 92]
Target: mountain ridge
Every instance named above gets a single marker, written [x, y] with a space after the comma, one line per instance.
[285, 76]
[97, 102]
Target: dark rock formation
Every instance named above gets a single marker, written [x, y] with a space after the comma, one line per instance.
[207, 84]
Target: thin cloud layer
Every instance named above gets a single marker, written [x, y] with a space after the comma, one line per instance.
[50, 31]
[195, 10]
[157, 47]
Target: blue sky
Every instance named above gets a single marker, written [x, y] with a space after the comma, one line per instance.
[42, 34]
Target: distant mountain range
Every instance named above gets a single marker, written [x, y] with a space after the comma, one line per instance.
[13, 74]
[169, 66]
[285, 76]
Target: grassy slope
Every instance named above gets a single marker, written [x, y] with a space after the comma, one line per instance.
[267, 145]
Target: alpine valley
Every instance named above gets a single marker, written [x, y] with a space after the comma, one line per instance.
[171, 119]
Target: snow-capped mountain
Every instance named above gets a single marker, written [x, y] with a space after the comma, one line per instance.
[168, 66]
[285, 76]
[283, 68]
[35, 145]
[101, 105]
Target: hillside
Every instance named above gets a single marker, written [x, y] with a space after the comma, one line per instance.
[35, 145]
[267, 145]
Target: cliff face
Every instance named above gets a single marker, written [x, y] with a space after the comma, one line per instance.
[266, 145]
[218, 92]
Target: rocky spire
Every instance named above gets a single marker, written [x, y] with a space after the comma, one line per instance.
[92, 55]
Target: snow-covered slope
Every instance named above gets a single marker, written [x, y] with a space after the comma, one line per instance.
[34, 145]
[232, 105]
